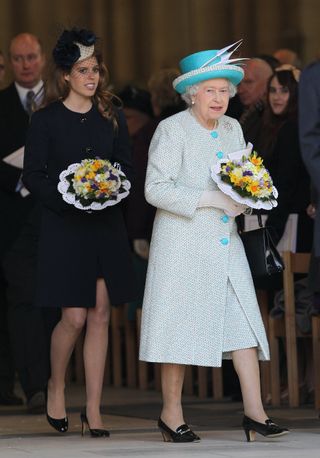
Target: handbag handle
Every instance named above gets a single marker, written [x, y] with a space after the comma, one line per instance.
[241, 223]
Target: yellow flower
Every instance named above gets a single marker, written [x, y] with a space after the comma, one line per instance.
[253, 188]
[90, 176]
[256, 160]
[96, 165]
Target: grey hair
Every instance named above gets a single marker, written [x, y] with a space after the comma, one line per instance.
[193, 89]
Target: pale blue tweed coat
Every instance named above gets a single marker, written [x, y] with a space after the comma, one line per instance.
[199, 301]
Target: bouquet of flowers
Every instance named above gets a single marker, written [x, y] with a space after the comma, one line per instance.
[93, 184]
[245, 179]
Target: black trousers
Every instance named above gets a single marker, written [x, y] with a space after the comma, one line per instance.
[6, 359]
[30, 327]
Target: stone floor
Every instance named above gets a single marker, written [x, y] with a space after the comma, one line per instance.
[131, 417]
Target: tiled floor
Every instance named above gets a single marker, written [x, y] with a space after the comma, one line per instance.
[131, 417]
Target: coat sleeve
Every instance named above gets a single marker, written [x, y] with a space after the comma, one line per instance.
[35, 177]
[122, 149]
[163, 189]
[309, 120]
[9, 175]
[286, 178]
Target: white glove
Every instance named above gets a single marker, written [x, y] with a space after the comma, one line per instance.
[220, 200]
[141, 248]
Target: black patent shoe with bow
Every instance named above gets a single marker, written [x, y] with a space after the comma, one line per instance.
[182, 434]
[93, 432]
[267, 429]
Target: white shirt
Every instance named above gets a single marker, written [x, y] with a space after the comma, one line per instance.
[37, 89]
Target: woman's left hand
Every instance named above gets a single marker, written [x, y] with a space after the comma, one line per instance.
[238, 210]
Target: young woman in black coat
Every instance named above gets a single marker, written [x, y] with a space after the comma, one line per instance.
[84, 261]
[278, 144]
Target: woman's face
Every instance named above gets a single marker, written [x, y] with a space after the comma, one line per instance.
[84, 77]
[211, 101]
[278, 96]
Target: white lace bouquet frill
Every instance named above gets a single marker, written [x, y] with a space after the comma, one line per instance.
[93, 184]
[244, 178]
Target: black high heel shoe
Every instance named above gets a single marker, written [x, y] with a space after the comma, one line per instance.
[267, 429]
[93, 432]
[182, 434]
[59, 424]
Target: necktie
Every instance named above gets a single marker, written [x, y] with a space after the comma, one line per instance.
[29, 102]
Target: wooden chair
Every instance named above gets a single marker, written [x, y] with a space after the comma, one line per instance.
[262, 297]
[143, 367]
[286, 328]
[316, 359]
[124, 348]
[216, 385]
[143, 382]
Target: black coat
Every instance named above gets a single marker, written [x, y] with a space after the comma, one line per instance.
[292, 181]
[75, 246]
[14, 123]
[309, 123]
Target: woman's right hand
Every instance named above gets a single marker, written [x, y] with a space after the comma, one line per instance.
[311, 211]
[233, 208]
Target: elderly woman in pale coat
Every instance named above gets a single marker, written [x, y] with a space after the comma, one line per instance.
[199, 303]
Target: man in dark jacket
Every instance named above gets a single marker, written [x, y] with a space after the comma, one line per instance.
[309, 128]
[24, 347]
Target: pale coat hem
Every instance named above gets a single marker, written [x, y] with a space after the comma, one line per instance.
[188, 362]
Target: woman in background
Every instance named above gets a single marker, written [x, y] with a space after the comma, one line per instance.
[278, 144]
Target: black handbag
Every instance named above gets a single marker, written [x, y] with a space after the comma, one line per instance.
[262, 254]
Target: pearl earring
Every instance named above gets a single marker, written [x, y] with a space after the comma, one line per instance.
[192, 102]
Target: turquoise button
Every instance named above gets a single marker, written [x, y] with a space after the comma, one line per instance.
[219, 154]
[225, 218]
[214, 134]
[224, 241]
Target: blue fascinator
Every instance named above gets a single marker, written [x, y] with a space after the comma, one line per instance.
[73, 46]
[205, 65]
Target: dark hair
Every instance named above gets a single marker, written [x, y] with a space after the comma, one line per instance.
[160, 86]
[136, 98]
[287, 79]
[272, 123]
[272, 61]
[57, 88]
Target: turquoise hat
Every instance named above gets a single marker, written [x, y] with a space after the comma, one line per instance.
[205, 65]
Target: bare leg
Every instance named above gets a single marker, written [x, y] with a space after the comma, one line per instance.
[95, 352]
[247, 367]
[63, 339]
[172, 376]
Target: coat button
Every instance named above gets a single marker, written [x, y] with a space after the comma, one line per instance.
[224, 241]
[214, 134]
[225, 218]
[219, 154]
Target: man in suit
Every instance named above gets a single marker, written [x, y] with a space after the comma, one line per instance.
[17, 254]
[309, 130]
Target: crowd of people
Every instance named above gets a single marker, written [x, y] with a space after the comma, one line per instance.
[170, 246]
